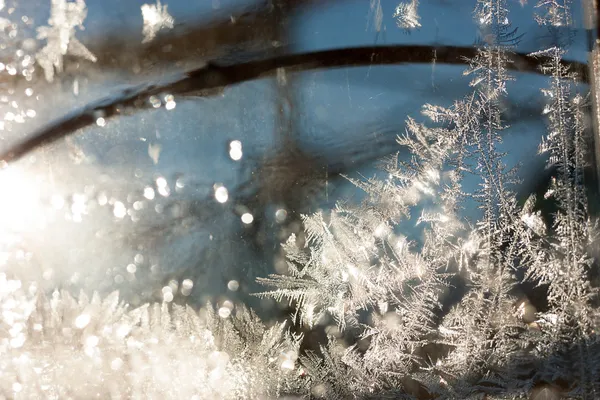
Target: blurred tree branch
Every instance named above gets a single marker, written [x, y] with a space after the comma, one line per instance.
[204, 80]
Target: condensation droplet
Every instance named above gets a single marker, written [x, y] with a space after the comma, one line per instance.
[170, 102]
[131, 268]
[221, 194]
[149, 193]
[164, 191]
[161, 182]
[247, 218]
[281, 215]
[119, 210]
[233, 285]
[102, 199]
[235, 150]
[186, 287]
[155, 101]
[224, 312]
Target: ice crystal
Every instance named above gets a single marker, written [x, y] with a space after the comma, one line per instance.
[156, 17]
[407, 16]
[376, 13]
[60, 38]
[570, 325]
[442, 315]
[88, 347]
[355, 262]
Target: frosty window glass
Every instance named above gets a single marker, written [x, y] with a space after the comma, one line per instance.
[299, 199]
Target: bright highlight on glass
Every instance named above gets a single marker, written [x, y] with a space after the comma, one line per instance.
[119, 210]
[149, 193]
[247, 218]
[233, 285]
[221, 194]
[235, 150]
[186, 287]
[20, 208]
[82, 321]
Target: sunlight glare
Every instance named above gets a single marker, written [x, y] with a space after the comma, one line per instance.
[20, 208]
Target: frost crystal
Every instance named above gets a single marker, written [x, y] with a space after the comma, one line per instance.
[354, 262]
[156, 18]
[65, 16]
[407, 16]
[447, 315]
[377, 13]
[92, 347]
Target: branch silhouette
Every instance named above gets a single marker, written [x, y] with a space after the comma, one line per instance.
[215, 75]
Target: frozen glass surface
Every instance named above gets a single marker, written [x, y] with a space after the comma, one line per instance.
[176, 167]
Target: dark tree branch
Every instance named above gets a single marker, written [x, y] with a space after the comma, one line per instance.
[211, 76]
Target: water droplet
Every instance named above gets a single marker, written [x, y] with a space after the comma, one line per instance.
[233, 285]
[247, 218]
[170, 102]
[155, 101]
[131, 268]
[149, 193]
[235, 150]
[102, 199]
[221, 194]
[224, 312]
[281, 215]
[119, 210]
[186, 287]
[161, 184]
